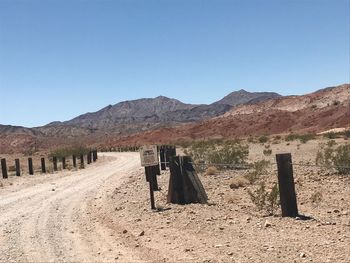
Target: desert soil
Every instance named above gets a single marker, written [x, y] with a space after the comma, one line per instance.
[102, 213]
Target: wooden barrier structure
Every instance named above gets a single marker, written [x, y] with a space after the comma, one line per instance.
[63, 162]
[94, 155]
[4, 168]
[17, 167]
[74, 161]
[82, 161]
[43, 166]
[165, 153]
[30, 166]
[88, 158]
[286, 185]
[185, 186]
[162, 158]
[54, 160]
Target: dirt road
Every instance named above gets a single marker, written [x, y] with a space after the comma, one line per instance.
[49, 221]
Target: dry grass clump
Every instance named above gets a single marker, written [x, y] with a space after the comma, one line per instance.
[211, 170]
[316, 198]
[238, 182]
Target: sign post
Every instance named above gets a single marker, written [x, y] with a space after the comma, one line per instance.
[149, 158]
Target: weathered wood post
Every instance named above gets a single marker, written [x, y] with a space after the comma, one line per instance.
[286, 185]
[74, 161]
[4, 168]
[18, 167]
[88, 158]
[54, 160]
[185, 186]
[149, 160]
[63, 162]
[81, 161]
[94, 155]
[43, 166]
[30, 166]
[162, 158]
[152, 180]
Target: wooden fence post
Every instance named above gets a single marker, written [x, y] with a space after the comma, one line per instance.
[63, 162]
[30, 166]
[150, 178]
[88, 158]
[18, 167]
[43, 166]
[54, 160]
[4, 168]
[74, 161]
[286, 185]
[81, 161]
[162, 158]
[185, 186]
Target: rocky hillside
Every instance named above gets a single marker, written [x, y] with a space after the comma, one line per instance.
[144, 114]
[244, 97]
[312, 113]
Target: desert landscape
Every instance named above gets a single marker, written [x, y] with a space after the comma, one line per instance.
[175, 131]
[102, 214]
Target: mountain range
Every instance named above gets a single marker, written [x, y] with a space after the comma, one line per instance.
[164, 120]
[139, 115]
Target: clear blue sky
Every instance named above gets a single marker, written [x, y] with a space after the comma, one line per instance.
[62, 58]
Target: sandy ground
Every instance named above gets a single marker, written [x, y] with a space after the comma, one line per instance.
[45, 217]
[102, 214]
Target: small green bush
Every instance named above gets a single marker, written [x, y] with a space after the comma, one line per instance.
[341, 159]
[303, 138]
[338, 157]
[68, 151]
[265, 200]
[330, 135]
[347, 134]
[228, 154]
[259, 168]
[263, 139]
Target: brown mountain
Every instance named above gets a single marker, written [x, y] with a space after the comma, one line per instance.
[312, 113]
[144, 114]
[163, 120]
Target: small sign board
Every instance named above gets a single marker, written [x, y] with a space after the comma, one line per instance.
[149, 155]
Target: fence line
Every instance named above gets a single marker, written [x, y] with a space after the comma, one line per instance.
[251, 166]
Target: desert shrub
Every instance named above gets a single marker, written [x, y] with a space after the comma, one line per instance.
[259, 168]
[330, 135]
[341, 159]
[265, 200]
[331, 143]
[229, 154]
[291, 137]
[238, 182]
[277, 137]
[233, 154]
[347, 134]
[336, 102]
[313, 106]
[316, 198]
[68, 151]
[267, 152]
[263, 139]
[304, 138]
[211, 170]
[251, 139]
[338, 157]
